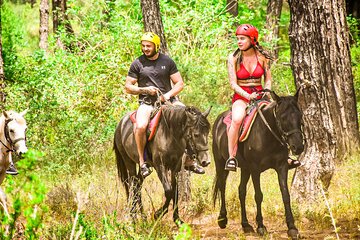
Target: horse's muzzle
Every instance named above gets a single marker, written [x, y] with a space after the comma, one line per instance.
[204, 159]
[297, 149]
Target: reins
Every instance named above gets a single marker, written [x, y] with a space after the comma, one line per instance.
[284, 134]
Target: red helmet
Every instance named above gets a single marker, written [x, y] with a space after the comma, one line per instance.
[248, 30]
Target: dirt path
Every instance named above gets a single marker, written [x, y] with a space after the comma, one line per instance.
[206, 228]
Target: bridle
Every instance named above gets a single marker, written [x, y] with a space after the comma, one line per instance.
[284, 135]
[193, 148]
[189, 139]
[8, 138]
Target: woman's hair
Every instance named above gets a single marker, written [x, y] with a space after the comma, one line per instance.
[263, 51]
[237, 54]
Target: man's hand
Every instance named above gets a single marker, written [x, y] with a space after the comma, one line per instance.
[164, 97]
[151, 90]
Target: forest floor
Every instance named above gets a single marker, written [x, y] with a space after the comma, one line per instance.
[206, 228]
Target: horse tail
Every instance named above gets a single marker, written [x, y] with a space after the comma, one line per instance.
[221, 175]
[122, 171]
[216, 189]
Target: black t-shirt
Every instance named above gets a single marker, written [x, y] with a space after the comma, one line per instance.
[153, 73]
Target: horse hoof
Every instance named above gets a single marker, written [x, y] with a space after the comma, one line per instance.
[293, 234]
[178, 222]
[247, 228]
[222, 222]
[158, 214]
[261, 230]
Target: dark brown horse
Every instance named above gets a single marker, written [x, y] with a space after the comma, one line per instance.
[178, 128]
[267, 146]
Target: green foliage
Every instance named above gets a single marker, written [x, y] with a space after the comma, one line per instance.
[185, 232]
[76, 99]
[28, 194]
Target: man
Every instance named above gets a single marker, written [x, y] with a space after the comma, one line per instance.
[153, 72]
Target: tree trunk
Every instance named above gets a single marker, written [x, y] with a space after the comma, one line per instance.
[55, 13]
[320, 61]
[232, 7]
[272, 25]
[60, 18]
[44, 24]
[2, 75]
[153, 22]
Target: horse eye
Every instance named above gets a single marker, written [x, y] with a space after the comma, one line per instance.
[11, 130]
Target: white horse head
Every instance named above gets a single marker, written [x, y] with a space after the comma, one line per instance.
[15, 131]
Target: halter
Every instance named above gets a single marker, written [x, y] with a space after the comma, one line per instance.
[195, 151]
[7, 137]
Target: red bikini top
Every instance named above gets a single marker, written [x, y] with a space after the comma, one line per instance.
[243, 74]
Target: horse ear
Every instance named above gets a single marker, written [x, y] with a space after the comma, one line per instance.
[24, 112]
[5, 114]
[206, 113]
[275, 96]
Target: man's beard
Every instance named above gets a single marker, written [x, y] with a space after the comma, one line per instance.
[153, 53]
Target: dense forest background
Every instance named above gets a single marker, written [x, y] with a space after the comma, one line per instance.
[75, 98]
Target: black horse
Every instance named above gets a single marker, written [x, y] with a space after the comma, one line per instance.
[267, 146]
[178, 128]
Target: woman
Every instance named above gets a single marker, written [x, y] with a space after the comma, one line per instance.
[246, 67]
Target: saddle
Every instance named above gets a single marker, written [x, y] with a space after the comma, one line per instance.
[251, 113]
[153, 124]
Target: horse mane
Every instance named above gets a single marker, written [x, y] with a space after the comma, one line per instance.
[178, 113]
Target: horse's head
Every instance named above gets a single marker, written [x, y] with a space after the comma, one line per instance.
[198, 128]
[15, 131]
[289, 121]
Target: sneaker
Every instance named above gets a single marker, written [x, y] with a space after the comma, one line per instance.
[12, 170]
[145, 171]
[195, 168]
[231, 164]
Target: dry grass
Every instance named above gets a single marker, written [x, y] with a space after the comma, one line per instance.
[106, 196]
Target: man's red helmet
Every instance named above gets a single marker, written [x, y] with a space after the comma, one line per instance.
[248, 30]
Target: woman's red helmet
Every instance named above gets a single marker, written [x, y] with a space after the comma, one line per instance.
[248, 30]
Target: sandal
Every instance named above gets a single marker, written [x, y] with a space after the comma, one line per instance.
[294, 163]
[231, 164]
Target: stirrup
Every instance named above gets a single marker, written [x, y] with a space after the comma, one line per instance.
[231, 164]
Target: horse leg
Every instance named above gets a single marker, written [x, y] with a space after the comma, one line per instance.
[221, 176]
[169, 192]
[138, 199]
[261, 229]
[134, 196]
[293, 233]
[176, 217]
[4, 202]
[245, 175]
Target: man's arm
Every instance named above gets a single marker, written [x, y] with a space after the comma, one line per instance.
[131, 88]
[178, 86]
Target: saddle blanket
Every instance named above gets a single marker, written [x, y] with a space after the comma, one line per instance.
[248, 121]
[154, 122]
